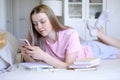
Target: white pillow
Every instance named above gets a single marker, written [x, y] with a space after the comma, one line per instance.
[8, 52]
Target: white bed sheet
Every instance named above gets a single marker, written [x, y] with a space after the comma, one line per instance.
[108, 70]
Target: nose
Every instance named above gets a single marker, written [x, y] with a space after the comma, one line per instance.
[39, 25]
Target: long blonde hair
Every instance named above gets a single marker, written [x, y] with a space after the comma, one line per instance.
[37, 38]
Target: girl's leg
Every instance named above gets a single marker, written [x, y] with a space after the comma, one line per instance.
[118, 55]
[108, 39]
[93, 28]
[104, 16]
[97, 31]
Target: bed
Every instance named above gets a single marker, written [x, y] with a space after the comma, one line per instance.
[108, 69]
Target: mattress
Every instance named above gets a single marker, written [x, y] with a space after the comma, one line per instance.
[108, 70]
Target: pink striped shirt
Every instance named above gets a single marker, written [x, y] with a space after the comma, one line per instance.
[67, 43]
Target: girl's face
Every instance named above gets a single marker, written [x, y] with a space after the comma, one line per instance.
[42, 24]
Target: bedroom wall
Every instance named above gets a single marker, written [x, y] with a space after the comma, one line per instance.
[21, 10]
[112, 26]
[2, 15]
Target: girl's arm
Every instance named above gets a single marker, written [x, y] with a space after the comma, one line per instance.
[70, 58]
[39, 54]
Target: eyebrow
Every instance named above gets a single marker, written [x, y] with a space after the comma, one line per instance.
[39, 20]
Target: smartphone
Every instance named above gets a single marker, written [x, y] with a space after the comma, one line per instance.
[24, 42]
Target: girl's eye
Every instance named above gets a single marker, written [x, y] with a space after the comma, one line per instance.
[39, 22]
[42, 22]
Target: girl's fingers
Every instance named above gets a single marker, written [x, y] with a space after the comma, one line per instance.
[28, 48]
[23, 53]
[29, 52]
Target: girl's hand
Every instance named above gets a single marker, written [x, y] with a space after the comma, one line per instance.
[34, 51]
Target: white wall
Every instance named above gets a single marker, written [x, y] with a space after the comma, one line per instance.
[2, 15]
[21, 11]
[113, 26]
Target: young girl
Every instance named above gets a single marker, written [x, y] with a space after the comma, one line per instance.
[59, 45]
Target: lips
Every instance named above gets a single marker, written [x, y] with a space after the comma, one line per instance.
[42, 31]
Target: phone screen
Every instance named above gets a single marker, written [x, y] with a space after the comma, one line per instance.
[24, 42]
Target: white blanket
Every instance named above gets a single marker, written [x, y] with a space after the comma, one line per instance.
[8, 53]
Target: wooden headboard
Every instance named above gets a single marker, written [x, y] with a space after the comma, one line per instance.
[2, 39]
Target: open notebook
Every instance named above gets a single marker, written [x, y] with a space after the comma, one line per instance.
[35, 65]
[85, 63]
